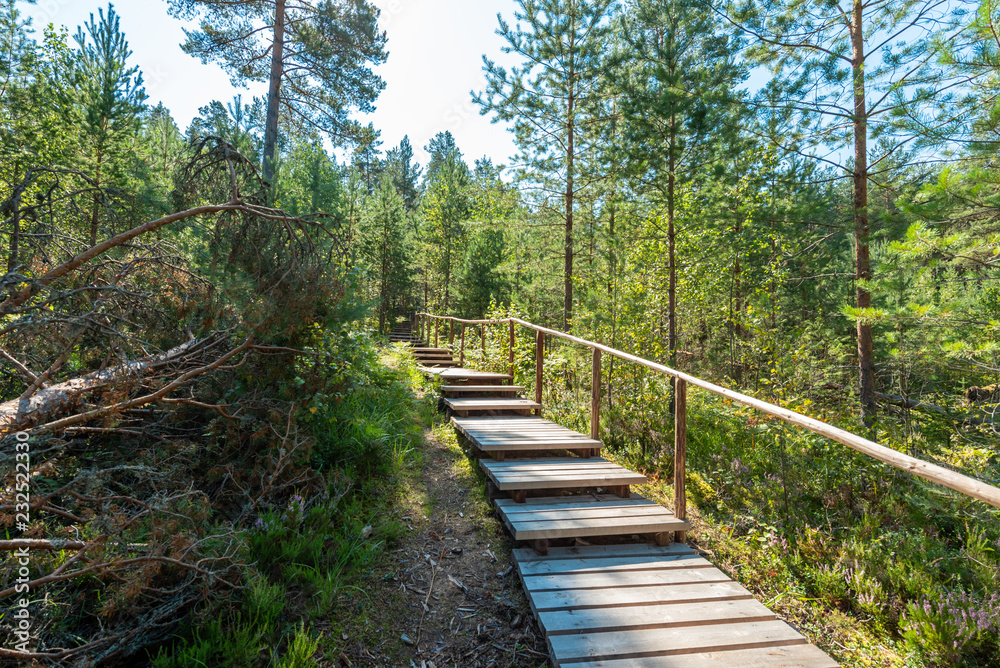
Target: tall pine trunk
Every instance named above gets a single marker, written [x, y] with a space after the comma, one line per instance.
[862, 257]
[568, 268]
[671, 246]
[96, 204]
[274, 87]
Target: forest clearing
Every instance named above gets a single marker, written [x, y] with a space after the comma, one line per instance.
[701, 368]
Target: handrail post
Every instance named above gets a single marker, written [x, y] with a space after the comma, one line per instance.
[451, 331]
[482, 340]
[511, 352]
[680, 455]
[461, 348]
[595, 398]
[539, 359]
[437, 332]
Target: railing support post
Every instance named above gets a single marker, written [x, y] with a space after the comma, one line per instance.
[539, 359]
[451, 332]
[680, 455]
[595, 398]
[510, 354]
[437, 332]
[461, 348]
[482, 341]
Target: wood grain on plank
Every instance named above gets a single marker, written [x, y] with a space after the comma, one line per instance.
[663, 642]
[524, 555]
[604, 598]
[604, 580]
[610, 564]
[789, 656]
[653, 616]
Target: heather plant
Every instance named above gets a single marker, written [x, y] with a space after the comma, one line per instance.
[954, 627]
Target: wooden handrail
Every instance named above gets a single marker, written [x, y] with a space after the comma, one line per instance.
[934, 473]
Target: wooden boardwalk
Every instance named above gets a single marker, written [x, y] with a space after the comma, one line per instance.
[626, 596]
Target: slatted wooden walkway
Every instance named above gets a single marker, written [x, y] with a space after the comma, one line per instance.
[628, 597]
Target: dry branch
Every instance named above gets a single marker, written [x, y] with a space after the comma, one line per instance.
[25, 413]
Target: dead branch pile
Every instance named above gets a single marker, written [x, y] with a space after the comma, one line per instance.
[148, 372]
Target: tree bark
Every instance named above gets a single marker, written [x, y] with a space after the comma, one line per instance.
[274, 88]
[96, 206]
[671, 246]
[568, 268]
[27, 412]
[862, 257]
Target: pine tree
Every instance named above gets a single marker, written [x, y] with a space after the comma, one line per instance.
[404, 172]
[367, 157]
[386, 248]
[316, 58]
[847, 76]
[110, 99]
[445, 208]
[675, 75]
[551, 98]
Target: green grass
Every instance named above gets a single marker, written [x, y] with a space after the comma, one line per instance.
[307, 555]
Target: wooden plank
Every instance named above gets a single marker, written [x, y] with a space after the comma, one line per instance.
[589, 527]
[653, 616]
[614, 598]
[602, 474]
[472, 373]
[611, 579]
[539, 445]
[790, 656]
[610, 564]
[553, 463]
[489, 403]
[523, 556]
[639, 643]
[530, 474]
[588, 501]
[565, 482]
[607, 513]
[605, 473]
[499, 389]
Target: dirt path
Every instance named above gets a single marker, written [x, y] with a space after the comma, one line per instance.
[449, 596]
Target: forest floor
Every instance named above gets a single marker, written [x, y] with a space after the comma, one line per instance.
[449, 594]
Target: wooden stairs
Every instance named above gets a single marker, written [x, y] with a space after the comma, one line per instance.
[608, 585]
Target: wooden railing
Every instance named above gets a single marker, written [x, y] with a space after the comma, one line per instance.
[976, 489]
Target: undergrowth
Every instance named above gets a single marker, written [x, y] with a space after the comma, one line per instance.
[309, 553]
[877, 566]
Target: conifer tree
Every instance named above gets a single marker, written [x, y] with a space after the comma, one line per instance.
[110, 99]
[386, 248]
[847, 75]
[316, 58]
[675, 74]
[404, 172]
[550, 99]
[445, 207]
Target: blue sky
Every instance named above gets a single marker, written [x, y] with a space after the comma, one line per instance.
[435, 59]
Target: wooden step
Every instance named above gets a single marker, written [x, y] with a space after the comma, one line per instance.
[465, 405]
[560, 473]
[619, 606]
[546, 518]
[456, 390]
[791, 656]
[497, 436]
[641, 643]
[440, 364]
[461, 375]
